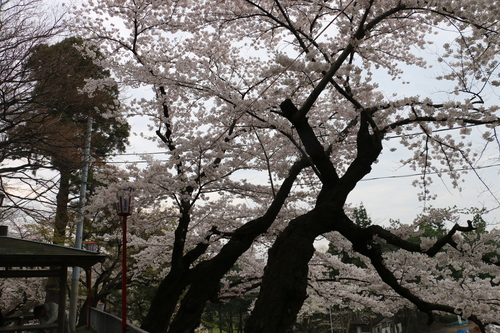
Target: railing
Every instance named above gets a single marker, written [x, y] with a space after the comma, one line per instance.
[24, 324]
[104, 322]
[28, 328]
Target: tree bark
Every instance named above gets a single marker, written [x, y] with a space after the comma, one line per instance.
[62, 200]
[59, 237]
[171, 288]
[203, 280]
[284, 282]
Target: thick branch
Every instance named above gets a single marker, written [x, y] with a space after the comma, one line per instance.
[311, 143]
[364, 242]
[369, 147]
[207, 275]
[397, 241]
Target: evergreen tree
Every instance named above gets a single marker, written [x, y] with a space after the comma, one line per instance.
[60, 111]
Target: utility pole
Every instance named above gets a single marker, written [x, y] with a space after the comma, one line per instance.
[79, 227]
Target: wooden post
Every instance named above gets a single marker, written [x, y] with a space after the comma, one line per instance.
[61, 316]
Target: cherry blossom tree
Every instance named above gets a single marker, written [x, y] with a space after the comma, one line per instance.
[271, 112]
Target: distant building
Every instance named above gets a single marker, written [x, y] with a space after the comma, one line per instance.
[387, 325]
[378, 324]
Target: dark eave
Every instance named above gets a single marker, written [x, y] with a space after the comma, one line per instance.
[15, 252]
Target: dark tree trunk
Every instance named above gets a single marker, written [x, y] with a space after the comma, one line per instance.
[240, 321]
[83, 314]
[59, 237]
[102, 287]
[204, 279]
[171, 288]
[62, 199]
[284, 282]
[230, 321]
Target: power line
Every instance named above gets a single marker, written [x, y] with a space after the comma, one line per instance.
[139, 154]
[166, 152]
[430, 173]
[364, 179]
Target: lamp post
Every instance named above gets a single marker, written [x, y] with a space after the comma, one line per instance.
[124, 209]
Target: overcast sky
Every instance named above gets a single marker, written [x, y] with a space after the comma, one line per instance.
[387, 192]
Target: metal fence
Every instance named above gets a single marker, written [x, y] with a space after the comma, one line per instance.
[104, 322]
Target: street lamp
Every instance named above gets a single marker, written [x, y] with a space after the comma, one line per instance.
[124, 209]
[92, 246]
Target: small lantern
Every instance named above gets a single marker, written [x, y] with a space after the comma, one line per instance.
[123, 201]
[92, 246]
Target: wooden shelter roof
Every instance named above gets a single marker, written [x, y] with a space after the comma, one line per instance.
[25, 258]
[22, 253]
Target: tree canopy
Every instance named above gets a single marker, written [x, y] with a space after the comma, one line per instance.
[24, 24]
[61, 106]
[59, 113]
[271, 113]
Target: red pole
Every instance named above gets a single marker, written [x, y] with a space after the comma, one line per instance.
[124, 276]
[89, 295]
[123, 208]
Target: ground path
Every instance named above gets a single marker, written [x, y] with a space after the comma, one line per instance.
[453, 329]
